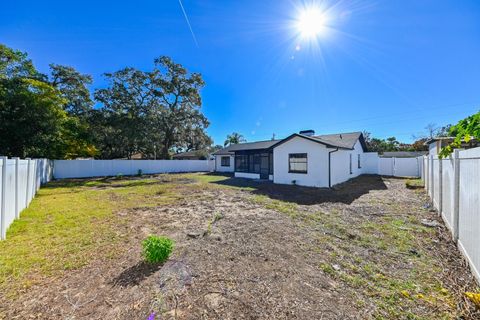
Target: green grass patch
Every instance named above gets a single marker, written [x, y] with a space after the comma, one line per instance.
[71, 222]
[414, 184]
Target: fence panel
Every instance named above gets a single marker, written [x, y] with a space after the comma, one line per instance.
[20, 179]
[469, 206]
[406, 167]
[447, 191]
[458, 179]
[102, 168]
[385, 166]
[436, 182]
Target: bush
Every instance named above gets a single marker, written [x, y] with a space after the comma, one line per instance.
[157, 248]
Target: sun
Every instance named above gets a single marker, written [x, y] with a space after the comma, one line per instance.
[311, 22]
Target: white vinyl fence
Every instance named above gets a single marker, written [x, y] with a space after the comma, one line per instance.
[400, 167]
[20, 180]
[101, 168]
[453, 184]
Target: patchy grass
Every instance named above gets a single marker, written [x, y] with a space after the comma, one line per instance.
[414, 184]
[70, 222]
[381, 260]
[362, 246]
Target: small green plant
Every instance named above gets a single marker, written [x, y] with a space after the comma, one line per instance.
[414, 184]
[294, 182]
[157, 249]
[217, 216]
[139, 173]
[119, 175]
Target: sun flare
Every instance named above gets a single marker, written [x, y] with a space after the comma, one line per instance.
[311, 23]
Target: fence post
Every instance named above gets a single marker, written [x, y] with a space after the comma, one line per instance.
[17, 187]
[425, 174]
[3, 210]
[440, 186]
[28, 182]
[432, 181]
[456, 195]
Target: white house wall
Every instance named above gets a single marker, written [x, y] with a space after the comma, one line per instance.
[340, 164]
[317, 163]
[220, 168]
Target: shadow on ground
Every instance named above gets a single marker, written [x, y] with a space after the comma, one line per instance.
[343, 193]
[135, 274]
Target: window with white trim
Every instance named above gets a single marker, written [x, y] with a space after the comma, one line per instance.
[225, 161]
[297, 163]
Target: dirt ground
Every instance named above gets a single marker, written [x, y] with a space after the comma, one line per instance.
[249, 250]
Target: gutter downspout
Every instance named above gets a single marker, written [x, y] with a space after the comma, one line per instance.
[329, 167]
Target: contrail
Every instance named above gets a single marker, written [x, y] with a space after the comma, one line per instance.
[188, 22]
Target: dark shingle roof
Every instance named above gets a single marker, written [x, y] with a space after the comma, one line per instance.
[402, 154]
[194, 153]
[338, 140]
[342, 140]
[258, 145]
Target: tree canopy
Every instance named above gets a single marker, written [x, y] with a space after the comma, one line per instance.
[155, 113]
[234, 138]
[34, 119]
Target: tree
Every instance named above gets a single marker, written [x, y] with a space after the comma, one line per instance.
[73, 87]
[464, 131]
[432, 130]
[179, 103]
[234, 138]
[121, 125]
[32, 113]
[150, 111]
[32, 119]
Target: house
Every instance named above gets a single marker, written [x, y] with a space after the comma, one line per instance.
[402, 154]
[191, 155]
[435, 145]
[301, 158]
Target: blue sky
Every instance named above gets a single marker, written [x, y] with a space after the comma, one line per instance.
[388, 67]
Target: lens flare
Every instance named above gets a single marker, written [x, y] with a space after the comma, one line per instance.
[312, 23]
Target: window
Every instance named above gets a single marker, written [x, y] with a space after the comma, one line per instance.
[297, 163]
[351, 164]
[358, 160]
[225, 162]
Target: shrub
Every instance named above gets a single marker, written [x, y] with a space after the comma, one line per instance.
[157, 248]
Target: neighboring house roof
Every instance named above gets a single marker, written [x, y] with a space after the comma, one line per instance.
[446, 139]
[403, 154]
[338, 140]
[438, 139]
[189, 154]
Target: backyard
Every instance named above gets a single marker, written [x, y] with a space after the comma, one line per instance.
[243, 250]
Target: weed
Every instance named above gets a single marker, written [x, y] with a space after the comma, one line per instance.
[157, 249]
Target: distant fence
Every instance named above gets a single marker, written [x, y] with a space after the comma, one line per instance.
[400, 167]
[20, 180]
[453, 184]
[100, 168]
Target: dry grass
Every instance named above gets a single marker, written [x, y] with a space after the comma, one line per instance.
[258, 251]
